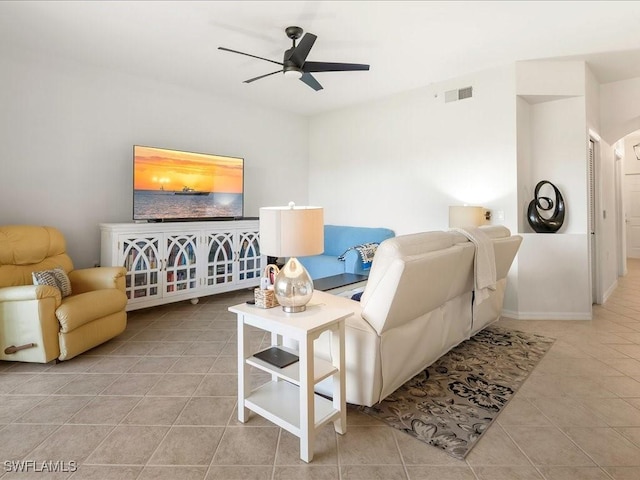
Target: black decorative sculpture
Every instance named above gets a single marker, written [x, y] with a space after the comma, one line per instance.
[539, 223]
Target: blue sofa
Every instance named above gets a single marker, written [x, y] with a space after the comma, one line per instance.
[339, 241]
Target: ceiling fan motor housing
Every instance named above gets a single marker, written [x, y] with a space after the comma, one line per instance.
[293, 33]
[290, 68]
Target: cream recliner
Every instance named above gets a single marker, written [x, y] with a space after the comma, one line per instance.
[36, 323]
[419, 303]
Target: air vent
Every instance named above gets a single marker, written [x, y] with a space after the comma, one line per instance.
[451, 96]
[460, 94]
[466, 92]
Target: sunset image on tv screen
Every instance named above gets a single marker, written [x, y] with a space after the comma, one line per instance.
[171, 184]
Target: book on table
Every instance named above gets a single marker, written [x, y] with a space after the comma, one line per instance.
[277, 357]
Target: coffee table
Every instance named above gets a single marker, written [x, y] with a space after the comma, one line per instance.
[340, 283]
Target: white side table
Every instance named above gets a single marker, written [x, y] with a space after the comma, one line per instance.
[288, 400]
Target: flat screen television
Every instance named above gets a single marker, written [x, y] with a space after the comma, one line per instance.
[171, 185]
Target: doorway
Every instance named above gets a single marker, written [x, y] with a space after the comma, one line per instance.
[632, 220]
[631, 203]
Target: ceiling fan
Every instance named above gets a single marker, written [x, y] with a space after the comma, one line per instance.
[295, 60]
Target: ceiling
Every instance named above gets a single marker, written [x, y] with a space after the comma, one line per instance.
[409, 44]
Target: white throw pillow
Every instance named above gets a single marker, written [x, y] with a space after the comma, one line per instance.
[54, 278]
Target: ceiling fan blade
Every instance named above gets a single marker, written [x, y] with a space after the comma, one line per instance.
[249, 55]
[312, 82]
[333, 67]
[261, 76]
[300, 53]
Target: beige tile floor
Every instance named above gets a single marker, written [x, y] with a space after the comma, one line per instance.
[158, 402]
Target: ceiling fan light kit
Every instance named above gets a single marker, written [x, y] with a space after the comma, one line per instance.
[294, 63]
[294, 74]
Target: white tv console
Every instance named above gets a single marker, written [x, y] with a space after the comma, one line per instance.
[174, 261]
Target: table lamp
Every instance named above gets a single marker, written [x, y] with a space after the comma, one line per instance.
[467, 216]
[292, 232]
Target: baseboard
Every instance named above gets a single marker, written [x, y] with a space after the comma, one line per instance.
[546, 315]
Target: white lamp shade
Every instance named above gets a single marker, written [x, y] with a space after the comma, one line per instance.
[465, 216]
[291, 231]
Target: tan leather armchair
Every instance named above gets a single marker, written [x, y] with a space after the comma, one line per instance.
[38, 324]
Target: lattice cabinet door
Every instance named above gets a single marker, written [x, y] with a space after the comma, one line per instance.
[181, 258]
[220, 258]
[169, 262]
[140, 256]
[248, 248]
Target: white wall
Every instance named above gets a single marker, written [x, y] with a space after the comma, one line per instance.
[400, 162]
[552, 145]
[558, 150]
[552, 278]
[606, 221]
[631, 177]
[631, 162]
[66, 136]
[550, 78]
[553, 139]
[619, 109]
[608, 213]
[619, 124]
[526, 184]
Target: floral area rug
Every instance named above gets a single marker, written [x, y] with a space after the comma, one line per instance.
[452, 403]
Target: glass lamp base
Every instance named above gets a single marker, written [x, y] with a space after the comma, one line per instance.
[296, 309]
[293, 287]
